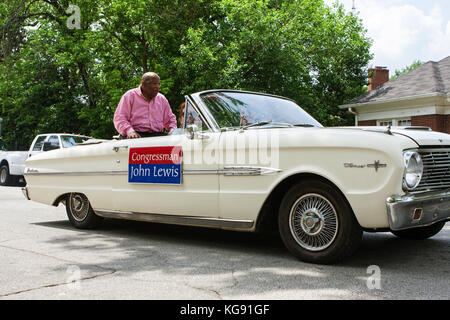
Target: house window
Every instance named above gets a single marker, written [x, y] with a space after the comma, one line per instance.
[404, 123]
[394, 122]
[385, 123]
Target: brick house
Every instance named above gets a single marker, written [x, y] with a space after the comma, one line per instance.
[420, 97]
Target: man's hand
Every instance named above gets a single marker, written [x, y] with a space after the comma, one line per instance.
[133, 135]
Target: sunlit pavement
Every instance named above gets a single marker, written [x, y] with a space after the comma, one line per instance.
[43, 257]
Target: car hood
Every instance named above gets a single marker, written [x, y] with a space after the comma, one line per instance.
[421, 135]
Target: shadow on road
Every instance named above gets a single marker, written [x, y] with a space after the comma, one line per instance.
[137, 248]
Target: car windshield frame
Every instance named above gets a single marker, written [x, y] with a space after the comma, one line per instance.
[276, 102]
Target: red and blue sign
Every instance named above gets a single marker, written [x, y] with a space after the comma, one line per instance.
[155, 165]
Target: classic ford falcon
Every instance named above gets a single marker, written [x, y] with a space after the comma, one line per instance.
[251, 162]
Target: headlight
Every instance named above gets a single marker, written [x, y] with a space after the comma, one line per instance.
[413, 170]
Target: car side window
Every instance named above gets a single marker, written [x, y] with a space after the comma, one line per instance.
[54, 141]
[192, 118]
[39, 142]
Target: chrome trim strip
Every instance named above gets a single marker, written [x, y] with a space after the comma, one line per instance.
[226, 171]
[173, 219]
[76, 173]
[200, 172]
[248, 171]
[235, 171]
[428, 149]
[243, 91]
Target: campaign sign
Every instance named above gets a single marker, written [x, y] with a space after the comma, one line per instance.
[155, 165]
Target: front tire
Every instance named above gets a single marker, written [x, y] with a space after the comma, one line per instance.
[5, 178]
[80, 213]
[420, 233]
[317, 224]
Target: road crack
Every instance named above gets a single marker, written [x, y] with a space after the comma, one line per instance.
[217, 292]
[108, 271]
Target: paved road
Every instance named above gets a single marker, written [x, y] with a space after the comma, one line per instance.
[43, 257]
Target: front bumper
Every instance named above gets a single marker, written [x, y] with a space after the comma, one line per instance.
[25, 193]
[418, 210]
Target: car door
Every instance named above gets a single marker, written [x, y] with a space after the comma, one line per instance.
[195, 195]
[37, 145]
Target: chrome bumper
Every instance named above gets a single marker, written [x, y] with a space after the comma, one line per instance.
[25, 193]
[418, 210]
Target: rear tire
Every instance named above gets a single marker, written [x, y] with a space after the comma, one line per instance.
[420, 233]
[80, 213]
[5, 178]
[317, 224]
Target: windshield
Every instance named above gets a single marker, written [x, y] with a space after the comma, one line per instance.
[239, 109]
[70, 141]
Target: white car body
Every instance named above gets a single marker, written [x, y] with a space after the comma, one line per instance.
[15, 160]
[366, 165]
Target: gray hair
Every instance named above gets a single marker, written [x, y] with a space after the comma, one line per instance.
[148, 75]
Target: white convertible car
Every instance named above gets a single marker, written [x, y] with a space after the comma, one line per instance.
[249, 162]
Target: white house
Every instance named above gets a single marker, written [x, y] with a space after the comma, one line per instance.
[420, 97]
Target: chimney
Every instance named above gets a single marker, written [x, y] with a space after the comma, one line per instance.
[377, 77]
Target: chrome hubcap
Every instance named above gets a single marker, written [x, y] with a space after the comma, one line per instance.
[313, 222]
[79, 206]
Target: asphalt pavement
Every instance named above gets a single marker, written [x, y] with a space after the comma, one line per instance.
[43, 257]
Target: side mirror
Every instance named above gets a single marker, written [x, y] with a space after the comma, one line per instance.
[49, 146]
[191, 129]
[194, 132]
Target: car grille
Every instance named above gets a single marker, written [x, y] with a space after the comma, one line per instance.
[436, 169]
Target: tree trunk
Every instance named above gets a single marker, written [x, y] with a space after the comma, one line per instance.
[85, 77]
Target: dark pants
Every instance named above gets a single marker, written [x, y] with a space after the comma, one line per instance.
[146, 134]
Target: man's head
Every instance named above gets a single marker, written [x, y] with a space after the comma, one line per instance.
[150, 85]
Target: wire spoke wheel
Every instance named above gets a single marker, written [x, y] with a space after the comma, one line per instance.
[80, 212]
[317, 224]
[313, 222]
[79, 206]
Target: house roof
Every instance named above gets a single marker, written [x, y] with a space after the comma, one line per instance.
[427, 79]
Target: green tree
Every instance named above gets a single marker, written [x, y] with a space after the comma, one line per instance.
[406, 69]
[55, 78]
[304, 50]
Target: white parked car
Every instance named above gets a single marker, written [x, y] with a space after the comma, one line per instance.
[250, 162]
[12, 163]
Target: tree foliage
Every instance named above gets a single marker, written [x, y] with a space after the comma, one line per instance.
[54, 78]
[406, 69]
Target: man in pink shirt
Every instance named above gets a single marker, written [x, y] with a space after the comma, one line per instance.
[143, 111]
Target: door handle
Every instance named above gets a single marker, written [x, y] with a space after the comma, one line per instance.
[117, 148]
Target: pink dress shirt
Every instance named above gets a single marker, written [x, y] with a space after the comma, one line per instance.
[136, 113]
